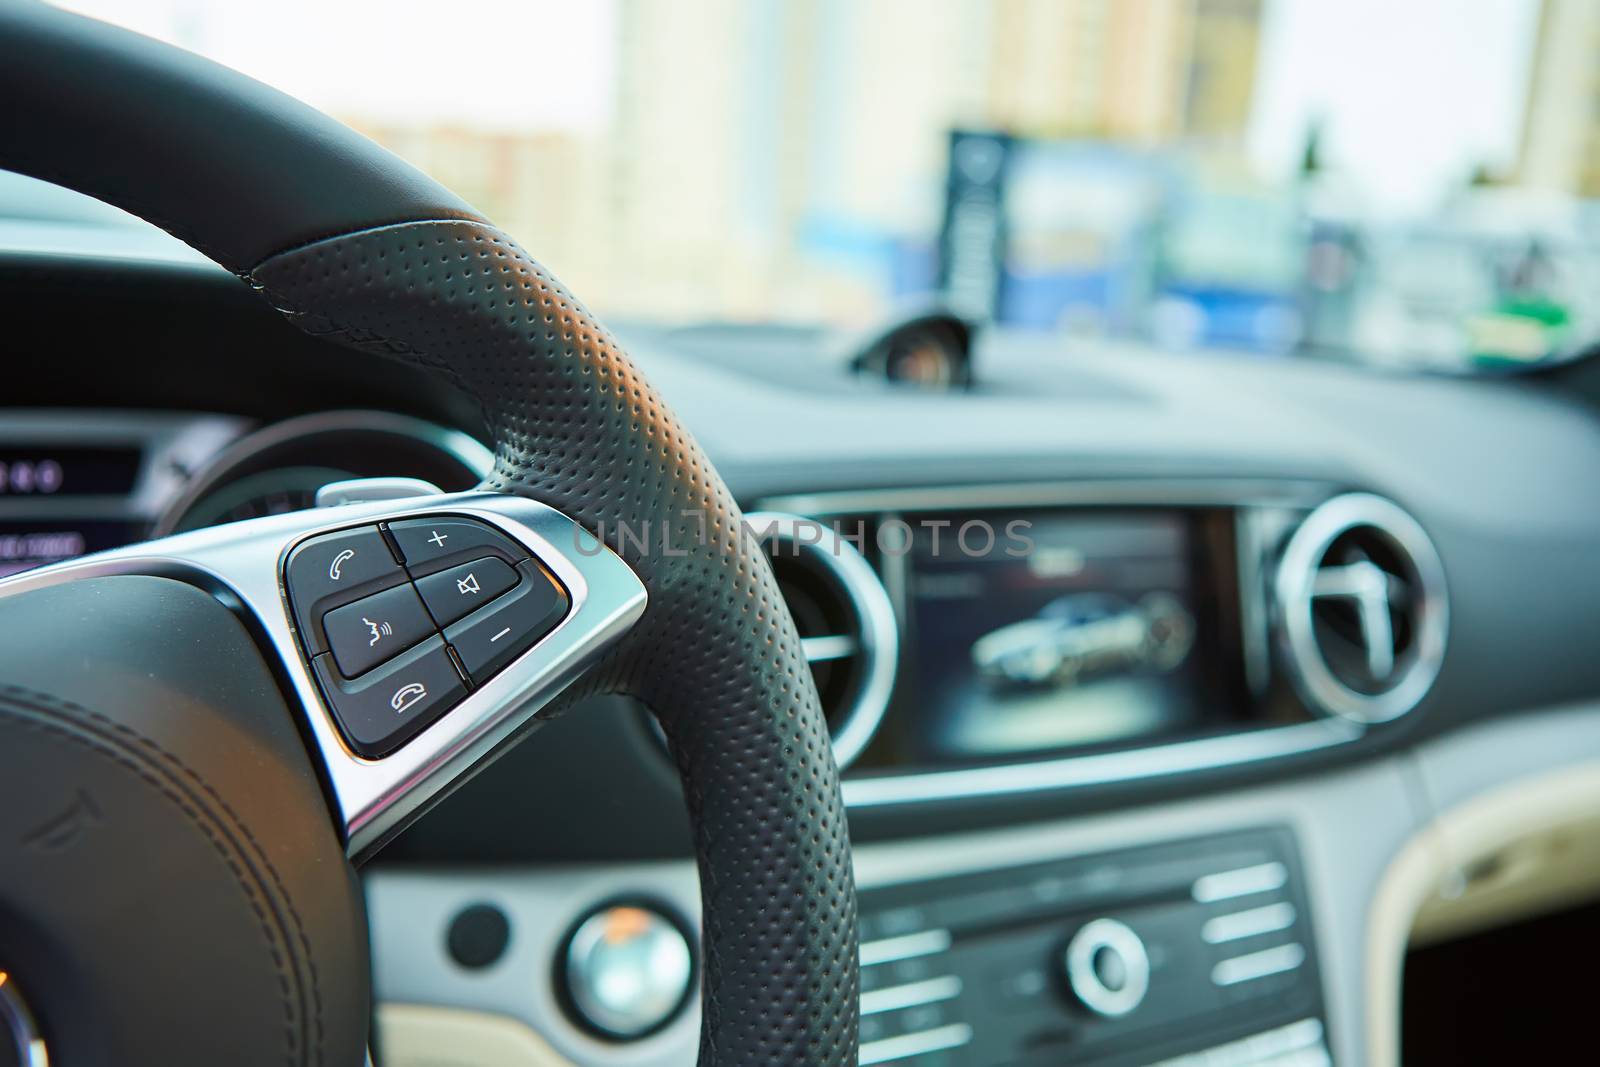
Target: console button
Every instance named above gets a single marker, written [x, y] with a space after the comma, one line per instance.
[495, 635]
[388, 706]
[376, 628]
[628, 970]
[429, 545]
[478, 936]
[334, 569]
[461, 590]
[1107, 968]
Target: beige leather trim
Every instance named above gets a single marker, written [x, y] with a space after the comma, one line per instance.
[420, 1035]
[1525, 847]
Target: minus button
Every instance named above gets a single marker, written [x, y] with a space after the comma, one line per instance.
[500, 631]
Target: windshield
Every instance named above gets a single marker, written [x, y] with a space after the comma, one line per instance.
[1395, 183]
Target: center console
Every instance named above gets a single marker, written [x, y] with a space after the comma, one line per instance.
[1193, 952]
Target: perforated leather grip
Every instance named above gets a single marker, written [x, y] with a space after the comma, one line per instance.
[716, 656]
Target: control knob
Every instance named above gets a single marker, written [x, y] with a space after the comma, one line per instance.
[1107, 968]
[628, 971]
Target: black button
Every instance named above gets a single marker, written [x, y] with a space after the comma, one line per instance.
[478, 935]
[489, 639]
[456, 592]
[388, 706]
[376, 628]
[429, 545]
[328, 571]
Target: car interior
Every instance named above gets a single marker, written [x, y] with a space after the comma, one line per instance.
[1136, 618]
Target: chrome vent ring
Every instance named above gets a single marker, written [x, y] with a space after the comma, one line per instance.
[1362, 608]
[846, 620]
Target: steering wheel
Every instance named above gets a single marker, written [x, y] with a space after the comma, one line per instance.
[190, 766]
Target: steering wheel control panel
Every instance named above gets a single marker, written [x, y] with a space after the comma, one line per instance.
[1195, 953]
[400, 620]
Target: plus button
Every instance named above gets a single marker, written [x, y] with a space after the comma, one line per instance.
[439, 538]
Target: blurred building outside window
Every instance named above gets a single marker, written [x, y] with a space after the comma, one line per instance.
[1395, 183]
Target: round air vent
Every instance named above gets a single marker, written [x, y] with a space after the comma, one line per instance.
[1362, 608]
[846, 623]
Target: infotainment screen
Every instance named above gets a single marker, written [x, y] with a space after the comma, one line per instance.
[1066, 629]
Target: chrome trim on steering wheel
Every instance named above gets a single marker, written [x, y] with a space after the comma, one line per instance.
[241, 564]
[19, 1029]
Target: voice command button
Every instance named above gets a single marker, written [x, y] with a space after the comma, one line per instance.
[376, 628]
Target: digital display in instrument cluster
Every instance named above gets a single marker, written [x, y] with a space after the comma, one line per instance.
[67, 471]
[1068, 629]
[25, 544]
[46, 511]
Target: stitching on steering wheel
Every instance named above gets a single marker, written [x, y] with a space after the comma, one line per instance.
[35, 710]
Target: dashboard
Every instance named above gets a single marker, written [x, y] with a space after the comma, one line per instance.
[1148, 673]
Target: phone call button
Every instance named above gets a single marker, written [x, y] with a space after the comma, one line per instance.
[385, 707]
[334, 569]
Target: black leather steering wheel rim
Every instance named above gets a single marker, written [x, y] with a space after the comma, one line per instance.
[356, 246]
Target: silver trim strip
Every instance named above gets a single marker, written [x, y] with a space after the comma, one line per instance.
[1240, 882]
[905, 947]
[910, 995]
[374, 797]
[1275, 1047]
[1104, 768]
[1303, 1034]
[1238, 925]
[879, 641]
[1268, 961]
[918, 1044]
[1163, 491]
